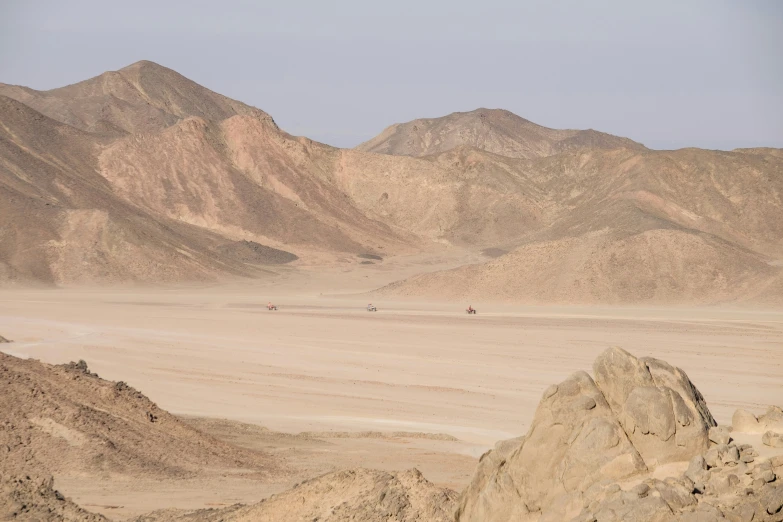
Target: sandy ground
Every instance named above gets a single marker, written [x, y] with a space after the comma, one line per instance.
[323, 363]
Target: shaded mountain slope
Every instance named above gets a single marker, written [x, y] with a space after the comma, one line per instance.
[66, 418]
[498, 131]
[63, 222]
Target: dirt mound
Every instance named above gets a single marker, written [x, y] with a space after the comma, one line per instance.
[498, 131]
[361, 495]
[34, 499]
[255, 253]
[65, 418]
[597, 451]
[656, 266]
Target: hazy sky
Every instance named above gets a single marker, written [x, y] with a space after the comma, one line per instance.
[669, 74]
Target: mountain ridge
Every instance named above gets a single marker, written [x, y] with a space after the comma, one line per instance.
[142, 175]
[494, 130]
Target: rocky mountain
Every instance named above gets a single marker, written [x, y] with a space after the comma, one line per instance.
[493, 130]
[141, 175]
[623, 226]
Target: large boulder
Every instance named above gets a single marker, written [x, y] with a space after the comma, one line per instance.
[660, 409]
[637, 414]
[574, 442]
[747, 422]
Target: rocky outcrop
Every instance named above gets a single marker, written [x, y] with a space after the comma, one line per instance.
[574, 441]
[23, 497]
[773, 439]
[593, 445]
[659, 408]
[747, 422]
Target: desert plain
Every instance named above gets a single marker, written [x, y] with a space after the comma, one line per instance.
[325, 385]
[625, 362]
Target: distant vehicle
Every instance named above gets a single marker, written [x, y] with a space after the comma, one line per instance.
[371, 308]
[270, 306]
[471, 310]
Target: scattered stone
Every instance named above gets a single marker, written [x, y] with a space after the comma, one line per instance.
[720, 435]
[767, 476]
[731, 456]
[773, 439]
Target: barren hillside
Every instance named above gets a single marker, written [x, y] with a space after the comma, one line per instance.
[166, 200]
[143, 175]
[689, 226]
[493, 130]
[143, 97]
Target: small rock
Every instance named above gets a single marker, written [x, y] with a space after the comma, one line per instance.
[747, 458]
[640, 490]
[772, 439]
[696, 469]
[731, 456]
[774, 501]
[767, 476]
[712, 458]
[719, 435]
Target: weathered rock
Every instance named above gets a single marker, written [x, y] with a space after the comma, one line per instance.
[773, 439]
[662, 412]
[771, 420]
[590, 450]
[720, 435]
[731, 456]
[697, 469]
[567, 449]
[745, 421]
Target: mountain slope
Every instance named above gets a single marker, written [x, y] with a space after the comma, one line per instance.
[498, 131]
[143, 97]
[141, 175]
[167, 202]
[658, 266]
[64, 223]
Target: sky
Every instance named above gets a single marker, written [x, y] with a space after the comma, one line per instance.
[669, 74]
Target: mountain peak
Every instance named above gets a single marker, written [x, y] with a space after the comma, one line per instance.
[498, 131]
[139, 98]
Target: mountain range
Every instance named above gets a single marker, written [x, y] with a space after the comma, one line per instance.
[141, 175]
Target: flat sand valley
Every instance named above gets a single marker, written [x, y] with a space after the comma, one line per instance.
[324, 384]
